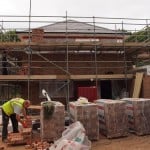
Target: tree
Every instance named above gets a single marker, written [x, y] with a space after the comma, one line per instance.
[140, 36]
[9, 36]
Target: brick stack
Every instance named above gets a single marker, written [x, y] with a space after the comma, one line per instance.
[27, 134]
[22, 137]
[87, 114]
[112, 118]
[15, 139]
[138, 112]
[51, 129]
[37, 35]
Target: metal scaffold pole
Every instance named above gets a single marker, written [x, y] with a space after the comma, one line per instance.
[67, 67]
[30, 51]
[95, 55]
[124, 57]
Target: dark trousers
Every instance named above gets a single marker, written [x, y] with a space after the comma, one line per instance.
[5, 121]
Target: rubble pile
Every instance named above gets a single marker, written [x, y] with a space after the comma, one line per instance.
[41, 145]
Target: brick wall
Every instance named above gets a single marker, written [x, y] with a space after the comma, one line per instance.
[33, 91]
[78, 64]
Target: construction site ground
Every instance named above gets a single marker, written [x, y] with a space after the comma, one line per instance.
[131, 142]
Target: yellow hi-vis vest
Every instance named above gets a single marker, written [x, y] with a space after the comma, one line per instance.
[8, 106]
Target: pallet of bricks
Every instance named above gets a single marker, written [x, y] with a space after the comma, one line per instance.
[138, 112]
[52, 118]
[87, 114]
[112, 118]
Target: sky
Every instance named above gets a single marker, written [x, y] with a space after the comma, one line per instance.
[86, 8]
[99, 8]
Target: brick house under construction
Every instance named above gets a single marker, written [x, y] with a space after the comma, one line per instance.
[69, 59]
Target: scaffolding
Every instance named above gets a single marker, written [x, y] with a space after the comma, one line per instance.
[97, 38]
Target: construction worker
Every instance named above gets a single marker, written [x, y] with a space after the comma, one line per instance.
[13, 109]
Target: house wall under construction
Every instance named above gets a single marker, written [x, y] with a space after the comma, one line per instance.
[64, 58]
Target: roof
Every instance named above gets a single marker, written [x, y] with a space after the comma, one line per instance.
[76, 27]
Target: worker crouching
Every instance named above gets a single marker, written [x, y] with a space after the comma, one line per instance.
[13, 109]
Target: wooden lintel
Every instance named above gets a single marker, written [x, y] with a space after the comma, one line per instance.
[31, 77]
[63, 77]
[112, 76]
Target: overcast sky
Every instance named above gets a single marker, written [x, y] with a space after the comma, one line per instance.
[85, 8]
[99, 8]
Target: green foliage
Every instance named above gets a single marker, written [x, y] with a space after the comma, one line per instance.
[140, 36]
[9, 36]
[142, 63]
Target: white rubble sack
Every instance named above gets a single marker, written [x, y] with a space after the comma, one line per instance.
[73, 138]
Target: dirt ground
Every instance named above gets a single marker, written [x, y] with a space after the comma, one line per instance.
[132, 142]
